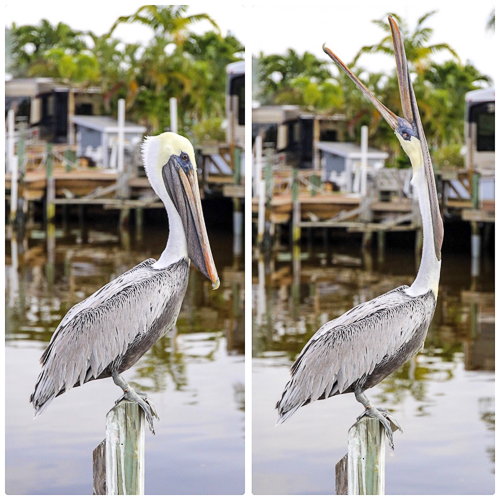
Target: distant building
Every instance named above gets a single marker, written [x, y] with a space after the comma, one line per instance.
[43, 103]
[340, 163]
[97, 139]
[293, 131]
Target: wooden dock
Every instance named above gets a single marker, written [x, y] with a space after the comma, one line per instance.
[53, 174]
[285, 195]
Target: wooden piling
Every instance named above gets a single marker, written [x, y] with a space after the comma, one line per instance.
[259, 187]
[296, 208]
[50, 207]
[237, 211]
[123, 452]
[13, 190]
[363, 468]
[381, 245]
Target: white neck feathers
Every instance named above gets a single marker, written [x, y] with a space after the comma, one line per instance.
[156, 151]
[430, 268]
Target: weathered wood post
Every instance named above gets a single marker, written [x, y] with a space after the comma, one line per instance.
[295, 207]
[123, 171]
[50, 207]
[381, 245]
[362, 470]
[259, 190]
[364, 158]
[118, 461]
[268, 179]
[475, 231]
[315, 181]
[67, 159]
[237, 212]
[22, 204]
[12, 164]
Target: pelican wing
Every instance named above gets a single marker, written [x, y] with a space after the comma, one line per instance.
[347, 350]
[98, 331]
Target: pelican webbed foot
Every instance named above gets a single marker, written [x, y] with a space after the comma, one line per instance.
[382, 415]
[141, 398]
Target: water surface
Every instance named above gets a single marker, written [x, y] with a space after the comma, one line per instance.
[443, 398]
[195, 378]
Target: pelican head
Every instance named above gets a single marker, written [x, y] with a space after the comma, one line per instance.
[170, 165]
[409, 129]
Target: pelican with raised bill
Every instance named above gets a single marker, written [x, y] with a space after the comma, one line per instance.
[111, 330]
[359, 349]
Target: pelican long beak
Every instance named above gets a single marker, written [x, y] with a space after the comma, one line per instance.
[411, 122]
[412, 115]
[182, 187]
[388, 115]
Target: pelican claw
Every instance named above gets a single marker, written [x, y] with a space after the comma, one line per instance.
[142, 400]
[385, 418]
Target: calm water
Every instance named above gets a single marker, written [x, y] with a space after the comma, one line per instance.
[195, 379]
[443, 398]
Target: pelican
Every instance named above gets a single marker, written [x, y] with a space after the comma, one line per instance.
[108, 332]
[357, 350]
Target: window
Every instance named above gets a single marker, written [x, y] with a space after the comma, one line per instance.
[238, 89]
[483, 115]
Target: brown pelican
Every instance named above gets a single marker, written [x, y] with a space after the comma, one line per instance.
[111, 330]
[363, 346]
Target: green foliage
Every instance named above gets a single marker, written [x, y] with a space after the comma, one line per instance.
[296, 79]
[174, 63]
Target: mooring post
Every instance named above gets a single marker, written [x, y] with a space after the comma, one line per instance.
[259, 191]
[295, 208]
[362, 470]
[50, 209]
[119, 459]
[268, 179]
[237, 211]
[381, 245]
[21, 154]
[475, 229]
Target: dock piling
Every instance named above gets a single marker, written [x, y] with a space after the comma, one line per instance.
[237, 211]
[50, 208]
[296, 208]
[260, 188]
[362, 470]
[119, 459]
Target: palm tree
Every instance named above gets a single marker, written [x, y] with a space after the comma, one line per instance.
[30, 42]
[167, 21]
[418, 52]
[278, 72]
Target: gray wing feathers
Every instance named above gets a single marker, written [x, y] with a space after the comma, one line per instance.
[347, 349]
[99, 330]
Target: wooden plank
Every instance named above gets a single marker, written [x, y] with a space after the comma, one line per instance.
[125, 444]
[478, 215]
[233, 191]
[391, 206]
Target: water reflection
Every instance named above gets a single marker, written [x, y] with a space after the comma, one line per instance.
[295, 293]
[199, 365]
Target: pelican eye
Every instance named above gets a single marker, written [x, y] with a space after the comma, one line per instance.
[405, 136]
[184, 157]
